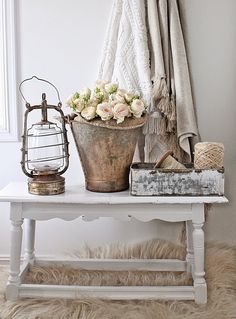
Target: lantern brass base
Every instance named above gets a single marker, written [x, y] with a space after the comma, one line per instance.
[46, 185]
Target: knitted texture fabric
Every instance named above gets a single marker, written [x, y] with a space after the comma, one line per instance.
[125, 58]
[145, 52]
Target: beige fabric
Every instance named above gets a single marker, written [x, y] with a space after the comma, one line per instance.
[125, 59]
[186, 119]
[170, 75]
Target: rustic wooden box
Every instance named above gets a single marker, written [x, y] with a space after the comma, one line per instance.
[147, 181]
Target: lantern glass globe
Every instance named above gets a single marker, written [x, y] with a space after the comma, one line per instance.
[46, 153]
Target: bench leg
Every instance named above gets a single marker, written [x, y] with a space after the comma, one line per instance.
[29, 240]
[15, 253]
[200, 286]
[189, 249]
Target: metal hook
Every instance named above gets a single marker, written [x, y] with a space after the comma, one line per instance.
[35, 77]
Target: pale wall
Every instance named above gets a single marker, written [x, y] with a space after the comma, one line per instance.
[62, 41]
[211, 34]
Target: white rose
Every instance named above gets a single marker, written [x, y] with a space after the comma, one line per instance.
[79, 105]
[101, 96]
[120, 111]
[113, 103]
[104, 110]
[111, 87]
[86, 94]
[120, 96]
[89, 113]
[129, 97]
[100, 84]
[137, 107]
[92, 102]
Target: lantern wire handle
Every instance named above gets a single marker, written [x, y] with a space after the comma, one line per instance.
[35, 77]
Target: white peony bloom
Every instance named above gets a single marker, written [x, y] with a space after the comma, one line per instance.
[89, 113]
[137, 107]
[120, 111]
[104, 110]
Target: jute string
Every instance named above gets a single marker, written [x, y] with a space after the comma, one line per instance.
[209, 155]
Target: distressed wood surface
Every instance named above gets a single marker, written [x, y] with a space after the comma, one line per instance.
[146, 181]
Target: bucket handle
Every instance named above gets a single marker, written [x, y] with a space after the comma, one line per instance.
[69, 118]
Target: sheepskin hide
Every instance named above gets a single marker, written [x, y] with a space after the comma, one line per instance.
[220, 276]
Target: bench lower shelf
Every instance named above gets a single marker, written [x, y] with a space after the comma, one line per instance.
[31, 290]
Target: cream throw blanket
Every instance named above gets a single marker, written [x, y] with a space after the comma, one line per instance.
[126, 55]
[144, 52]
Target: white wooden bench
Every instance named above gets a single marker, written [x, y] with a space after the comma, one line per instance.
[77, 202]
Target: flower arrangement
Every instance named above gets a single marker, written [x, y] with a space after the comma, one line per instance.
[106, 101]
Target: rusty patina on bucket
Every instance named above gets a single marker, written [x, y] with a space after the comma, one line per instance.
[106, 151]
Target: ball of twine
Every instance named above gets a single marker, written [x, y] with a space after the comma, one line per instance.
[209, 155]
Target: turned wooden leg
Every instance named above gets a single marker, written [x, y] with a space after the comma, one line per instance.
[189, 249]
[200, 286]
[15, 252]
[29, 240]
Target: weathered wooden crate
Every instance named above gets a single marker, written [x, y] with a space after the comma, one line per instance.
[147, 181]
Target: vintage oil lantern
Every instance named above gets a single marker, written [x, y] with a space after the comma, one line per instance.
[45, 154]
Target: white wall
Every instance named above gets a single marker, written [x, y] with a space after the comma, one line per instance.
[62, 41]
[211, 34]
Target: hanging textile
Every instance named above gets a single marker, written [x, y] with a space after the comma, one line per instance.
[145, 52]
[125, 56]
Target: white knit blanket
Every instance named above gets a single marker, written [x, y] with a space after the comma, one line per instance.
[126, 56]
[144, 52]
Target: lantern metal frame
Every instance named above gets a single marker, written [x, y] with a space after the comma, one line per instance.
[44, 182]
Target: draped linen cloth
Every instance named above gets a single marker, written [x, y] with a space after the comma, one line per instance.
[144, 52]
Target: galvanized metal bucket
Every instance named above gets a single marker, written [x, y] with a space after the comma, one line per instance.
[106, 151]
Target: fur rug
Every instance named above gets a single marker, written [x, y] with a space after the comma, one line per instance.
[220, 276]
